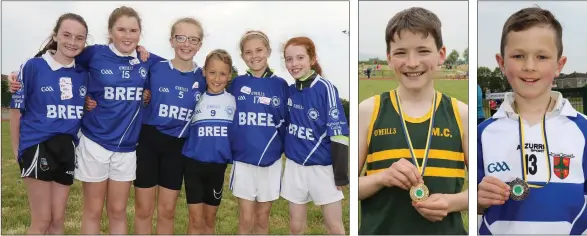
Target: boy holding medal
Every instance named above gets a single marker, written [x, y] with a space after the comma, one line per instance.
[413, 139]
[531, 153]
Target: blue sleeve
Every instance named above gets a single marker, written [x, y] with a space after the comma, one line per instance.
[336, 122]
[25, 77]
[582, 123]
[85, 57]
[480, 165]
[153, 59]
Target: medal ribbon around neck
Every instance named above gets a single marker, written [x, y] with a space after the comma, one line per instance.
[523, 149]
[422, 168]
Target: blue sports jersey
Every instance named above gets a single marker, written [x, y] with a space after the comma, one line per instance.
[51, 100]
[116, 84]
[261, 114]
[174, 95]
[211, 129]
[560, 206]
[315, 115]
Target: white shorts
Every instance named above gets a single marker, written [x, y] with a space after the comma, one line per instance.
[255, 183]
[302, 184]
[96, 164]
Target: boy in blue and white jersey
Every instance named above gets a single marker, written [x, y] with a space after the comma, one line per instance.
[51, 103]
[207, 149]
[534, 182]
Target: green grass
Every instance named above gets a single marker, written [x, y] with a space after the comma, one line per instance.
[458, 89]
[455, 88]
[16, 214]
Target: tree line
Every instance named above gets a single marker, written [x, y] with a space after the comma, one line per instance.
[453, 58]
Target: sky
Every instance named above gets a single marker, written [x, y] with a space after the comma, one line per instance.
[373, 18]
[224, 24]
[571, 15]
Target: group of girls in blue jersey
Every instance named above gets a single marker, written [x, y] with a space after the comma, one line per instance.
[159, 122]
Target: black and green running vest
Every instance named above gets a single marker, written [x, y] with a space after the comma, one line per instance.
[390, 210]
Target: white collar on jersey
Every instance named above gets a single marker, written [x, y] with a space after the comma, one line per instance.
[118, 53]
[173, 68]
[318, 77]
[54, 64]
[562, 107]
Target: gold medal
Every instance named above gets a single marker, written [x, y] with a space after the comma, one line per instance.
[419, 192]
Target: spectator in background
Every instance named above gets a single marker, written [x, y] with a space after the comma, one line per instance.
[368, 73]
[480, 113]
[493, 106]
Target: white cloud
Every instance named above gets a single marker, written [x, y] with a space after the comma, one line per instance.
[373, 18]
[571, 15]
[25, 26]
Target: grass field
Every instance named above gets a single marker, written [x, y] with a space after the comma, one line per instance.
[454, 88]
[458, 89]
[16, 217]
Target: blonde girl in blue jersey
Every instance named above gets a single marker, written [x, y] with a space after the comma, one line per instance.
[48, 194]
[317, 144]
[254, 184]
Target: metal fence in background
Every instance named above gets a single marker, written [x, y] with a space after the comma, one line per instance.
[576, 96]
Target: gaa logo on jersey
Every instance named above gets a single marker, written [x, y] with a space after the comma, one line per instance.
[229, 110]
[143, 72]
[82, 91]
[333, 113]
[289, 102]
[275, 101]
[313, 114]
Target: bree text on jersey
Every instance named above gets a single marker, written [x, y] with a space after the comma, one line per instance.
[175, 112]
[301, 132]
[255, 119]
[123, 93]
[69, 112]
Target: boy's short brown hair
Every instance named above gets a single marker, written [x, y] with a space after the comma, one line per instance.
[416, 20]
[531, 17]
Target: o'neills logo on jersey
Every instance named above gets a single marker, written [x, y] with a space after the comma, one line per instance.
[384, 131]
[562, 164]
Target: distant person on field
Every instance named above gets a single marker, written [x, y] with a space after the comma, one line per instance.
[368, 73]
[480, 113]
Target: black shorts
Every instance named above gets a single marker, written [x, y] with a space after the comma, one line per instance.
[51, 160]
[204, 182]
[159, 160]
